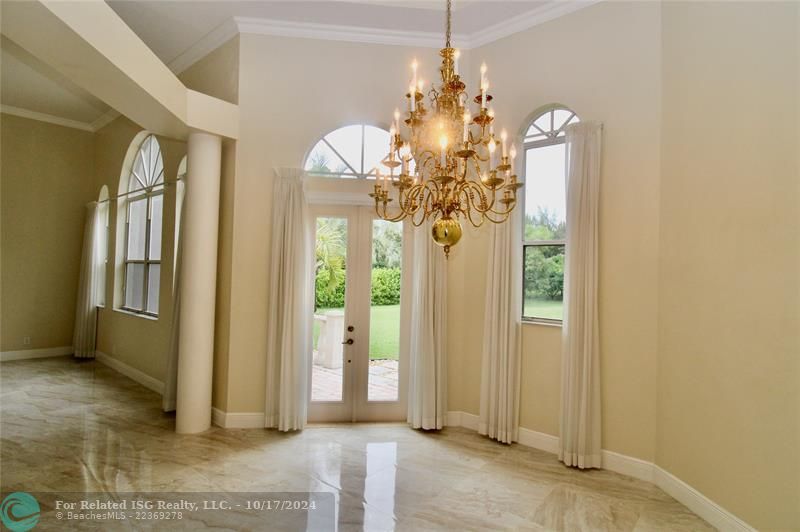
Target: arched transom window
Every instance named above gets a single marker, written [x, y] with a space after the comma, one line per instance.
[550, 127]
[351, 151]
[545, 230]
[144, 202]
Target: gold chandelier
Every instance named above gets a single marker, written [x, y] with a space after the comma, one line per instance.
[457, 171]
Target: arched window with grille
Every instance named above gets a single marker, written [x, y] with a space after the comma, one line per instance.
[143, 206]
[351, 152]
[545, 227]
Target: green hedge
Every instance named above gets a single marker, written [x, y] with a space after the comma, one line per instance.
[385, 288]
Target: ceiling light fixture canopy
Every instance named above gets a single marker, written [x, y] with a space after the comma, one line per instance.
[458, 172]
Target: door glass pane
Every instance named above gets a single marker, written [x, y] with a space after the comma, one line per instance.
[153, 283]
[384, 315]
[137, 225]
[331, 260]
[156, 216]
[544, 282]
[134, 286]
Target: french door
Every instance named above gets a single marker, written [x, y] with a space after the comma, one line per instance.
[358, 371]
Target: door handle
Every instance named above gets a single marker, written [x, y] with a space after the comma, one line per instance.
[349, 341]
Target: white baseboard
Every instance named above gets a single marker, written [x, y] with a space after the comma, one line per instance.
[465, 419]
[538, 440]
[25, 354]
[237, 420]
[712, 512]
[129, 371]
[626, 465]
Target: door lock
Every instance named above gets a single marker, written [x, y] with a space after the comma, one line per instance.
[350, 328]
[349, 341]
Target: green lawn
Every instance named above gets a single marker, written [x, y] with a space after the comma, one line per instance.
[384, 331]
[543, 308]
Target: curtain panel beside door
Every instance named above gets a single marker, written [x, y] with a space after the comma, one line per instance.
[290, 304]
[427, 351]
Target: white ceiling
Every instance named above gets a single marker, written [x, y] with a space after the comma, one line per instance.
[28, 84]
[182, 31]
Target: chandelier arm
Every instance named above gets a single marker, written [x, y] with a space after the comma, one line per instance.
[469, 216]
[485, 205]
[386, 216]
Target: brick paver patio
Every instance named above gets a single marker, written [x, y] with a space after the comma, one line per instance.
[326, 383]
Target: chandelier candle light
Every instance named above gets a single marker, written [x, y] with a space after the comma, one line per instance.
[457, 172]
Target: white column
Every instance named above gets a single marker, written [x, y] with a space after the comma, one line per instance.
[198, 283]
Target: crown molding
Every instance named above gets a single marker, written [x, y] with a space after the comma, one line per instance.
[44, 117]
[544, 13]
[312, 30]
[331, 32]
[207, 44]
[104, 119]
[91, 127]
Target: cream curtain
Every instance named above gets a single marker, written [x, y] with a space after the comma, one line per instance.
[290, 304]
[427, 354]
[580, 370]
[89, 284]
[500, 370]
[169, 399]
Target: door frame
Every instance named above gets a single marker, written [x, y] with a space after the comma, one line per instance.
[355, 405]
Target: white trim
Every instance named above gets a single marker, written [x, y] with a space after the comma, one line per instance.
[320, 197]
[92, 127]
[311, 30]
[207, 44]
[237, 420]
[105, 119]
[539, 15]
[462, 419]
[25, 354]
[538, 440]
[132, 373]
[625, 465]
[712, 512]
[44, 117]
[333, 32]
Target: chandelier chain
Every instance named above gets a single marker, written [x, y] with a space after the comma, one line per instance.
[449, 16]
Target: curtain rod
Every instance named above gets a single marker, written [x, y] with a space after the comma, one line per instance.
[118, 196]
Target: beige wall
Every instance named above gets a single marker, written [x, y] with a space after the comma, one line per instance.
[137, 341]
[602, 62]
[47, 179]
[729, 310]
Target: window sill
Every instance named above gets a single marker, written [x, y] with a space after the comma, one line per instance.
[542, 321]
[136, 314]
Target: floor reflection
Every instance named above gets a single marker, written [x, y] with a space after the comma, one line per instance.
[82, 427]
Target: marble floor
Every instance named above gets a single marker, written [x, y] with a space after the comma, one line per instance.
[80, 426]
